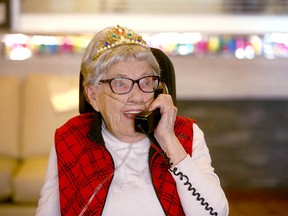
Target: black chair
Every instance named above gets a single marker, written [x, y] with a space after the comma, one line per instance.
[167, 76]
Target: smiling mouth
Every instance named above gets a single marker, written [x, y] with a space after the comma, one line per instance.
[132, 113]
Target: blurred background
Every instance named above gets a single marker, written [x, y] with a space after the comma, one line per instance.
[231, 64]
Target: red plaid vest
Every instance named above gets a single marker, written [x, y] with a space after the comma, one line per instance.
[84, 162]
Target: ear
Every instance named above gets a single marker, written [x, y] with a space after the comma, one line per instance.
[91, 97]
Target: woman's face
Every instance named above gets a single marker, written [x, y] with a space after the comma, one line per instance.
[118, 111]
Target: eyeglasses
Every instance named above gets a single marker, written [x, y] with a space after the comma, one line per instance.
[147, 84]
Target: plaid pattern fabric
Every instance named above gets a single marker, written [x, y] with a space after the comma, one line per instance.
[83, 164]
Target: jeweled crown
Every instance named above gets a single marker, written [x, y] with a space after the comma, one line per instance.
[118, 36]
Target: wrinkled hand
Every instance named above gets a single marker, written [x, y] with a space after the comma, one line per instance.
[164, 133]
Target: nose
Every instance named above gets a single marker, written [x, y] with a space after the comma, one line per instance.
[136, 94]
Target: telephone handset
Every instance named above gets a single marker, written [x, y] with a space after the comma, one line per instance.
[147, 121]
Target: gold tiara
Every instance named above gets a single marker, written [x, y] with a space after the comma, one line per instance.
[118, 36]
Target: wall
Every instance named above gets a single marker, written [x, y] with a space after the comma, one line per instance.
[196, 78]
[231, 78]
[127, 6]
[247, 139]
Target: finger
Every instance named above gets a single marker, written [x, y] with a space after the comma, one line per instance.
[162, 101]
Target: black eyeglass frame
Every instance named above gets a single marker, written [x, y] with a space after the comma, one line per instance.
[133, 83]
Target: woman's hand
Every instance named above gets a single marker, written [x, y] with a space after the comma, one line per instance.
[164, 133]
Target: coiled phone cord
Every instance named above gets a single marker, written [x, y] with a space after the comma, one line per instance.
[182, 176]
[194, 192]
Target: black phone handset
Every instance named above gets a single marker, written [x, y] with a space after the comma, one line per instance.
[145, 122]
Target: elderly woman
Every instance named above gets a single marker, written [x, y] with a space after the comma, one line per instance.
[101, 165]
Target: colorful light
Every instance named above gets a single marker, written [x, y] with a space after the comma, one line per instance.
[272, 45]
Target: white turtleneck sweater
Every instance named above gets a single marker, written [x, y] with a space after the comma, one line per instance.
[131, 184]
[132, 193]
